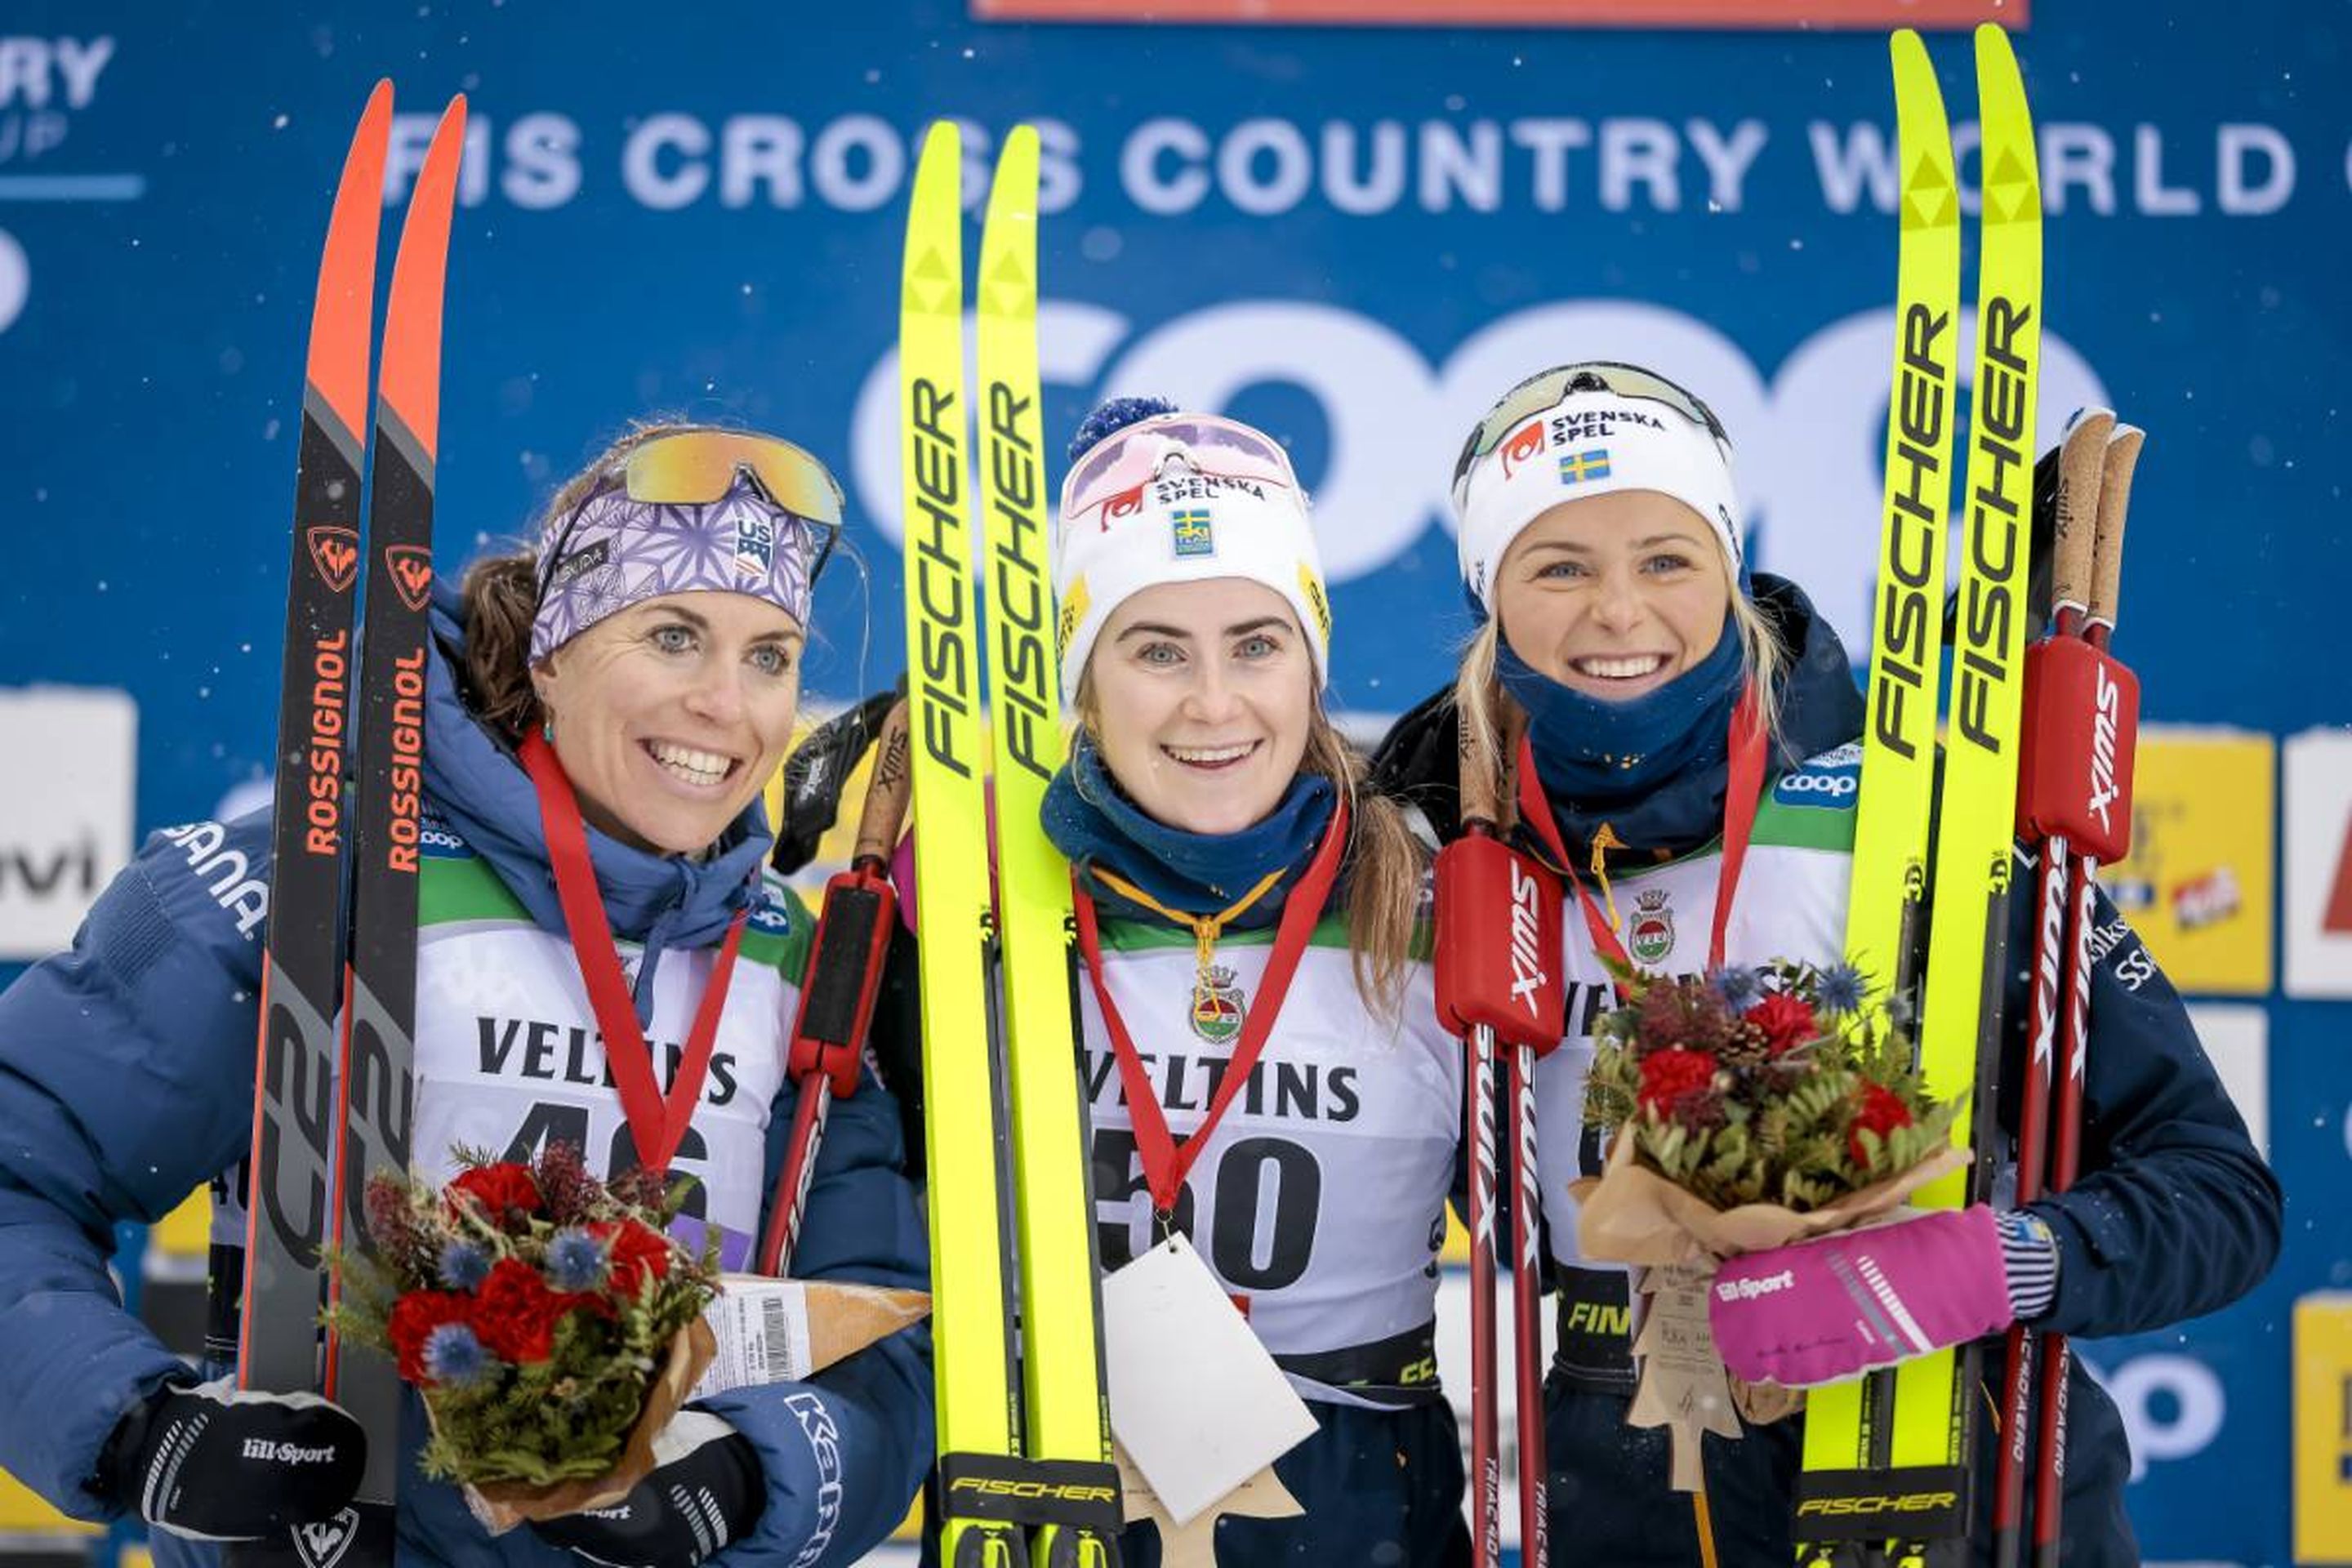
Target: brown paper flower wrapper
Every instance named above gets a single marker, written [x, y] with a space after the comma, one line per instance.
[502, 1505]
[1630, 1213]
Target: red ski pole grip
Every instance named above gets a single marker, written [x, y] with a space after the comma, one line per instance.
[845, 973]
[2082, 724]
[1498, 943]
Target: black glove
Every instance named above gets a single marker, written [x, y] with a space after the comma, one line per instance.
[816, 772]
[210, 1463]
[705, 1492]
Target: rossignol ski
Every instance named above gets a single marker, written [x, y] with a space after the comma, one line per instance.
[1024, 1472]
[332, 1100]
[1887, 1459]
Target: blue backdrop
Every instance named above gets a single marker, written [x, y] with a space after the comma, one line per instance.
[1356, 236]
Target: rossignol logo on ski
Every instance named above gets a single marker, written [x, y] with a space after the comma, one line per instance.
[407, 777]
[322, 753]
[1653, 934]
[1528, 976]
[410, 567]
[1219, 1009]
[334, 554]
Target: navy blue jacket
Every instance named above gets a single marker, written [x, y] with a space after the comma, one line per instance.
[2173, 1214]
[126, 1081]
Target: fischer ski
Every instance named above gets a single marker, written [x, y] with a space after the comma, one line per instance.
[1023, 1468]
[332, 1101]
[1888, 1459]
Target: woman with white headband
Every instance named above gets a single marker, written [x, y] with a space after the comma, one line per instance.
[602, 713]
[1601, 552]
[1266, 1074]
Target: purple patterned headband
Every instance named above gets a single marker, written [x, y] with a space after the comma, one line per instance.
[610, 552]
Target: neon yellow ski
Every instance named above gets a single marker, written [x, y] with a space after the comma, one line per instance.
[1887, 909]
[1024, 1473]
[1878, 1468]
[972, 1324]
[1068, 1418]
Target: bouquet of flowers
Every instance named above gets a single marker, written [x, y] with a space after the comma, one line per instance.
[1752, 1108]
[1772, 1085]
[550, 1323]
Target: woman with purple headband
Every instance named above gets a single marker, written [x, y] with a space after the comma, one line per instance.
[627, 687]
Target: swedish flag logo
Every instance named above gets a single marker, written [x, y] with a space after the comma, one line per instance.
[1592, 463]
[1191, 527]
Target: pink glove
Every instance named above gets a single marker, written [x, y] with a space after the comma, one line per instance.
[1838, 1305]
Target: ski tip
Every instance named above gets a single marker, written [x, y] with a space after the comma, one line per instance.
[410, 383]
[343, 311]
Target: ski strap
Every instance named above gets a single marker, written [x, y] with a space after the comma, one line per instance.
[1744, 782]
[1165, 1160]
[657, 1121]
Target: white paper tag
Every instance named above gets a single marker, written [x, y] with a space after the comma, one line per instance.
[1195, 1399]
[762, 1330]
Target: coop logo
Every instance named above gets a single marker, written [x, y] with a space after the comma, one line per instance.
[1387, 463]
[1816, 785]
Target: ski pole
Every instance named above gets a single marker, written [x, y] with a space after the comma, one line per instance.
[845, 973]
[2112, 735]
[2081, 459]
[1498, 978]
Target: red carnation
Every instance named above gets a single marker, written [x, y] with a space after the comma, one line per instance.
[1667, 1074]
[496, 1190]
[637, 1252]
[1881, 1111]
[1787, 1022]
[414, 1318]
[515, 1314]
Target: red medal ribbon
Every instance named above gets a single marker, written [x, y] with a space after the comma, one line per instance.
[658, 1123]
[1165, 1160]
[1743, 784]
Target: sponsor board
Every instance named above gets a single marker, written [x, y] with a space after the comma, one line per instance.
[2197, 883]
[67, 785]
[2317, 821]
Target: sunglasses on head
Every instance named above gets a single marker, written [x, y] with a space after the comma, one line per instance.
[1126, 459]
[698, 467]
[1546, 388]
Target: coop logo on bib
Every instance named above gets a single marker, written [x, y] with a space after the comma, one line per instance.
[1653, 936]
[1217, 1005]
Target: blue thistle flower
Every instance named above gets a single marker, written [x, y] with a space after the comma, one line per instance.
[454, 1358]
[1739, 986]
[575, 1261]
[1840, 989]
[464, 1265]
